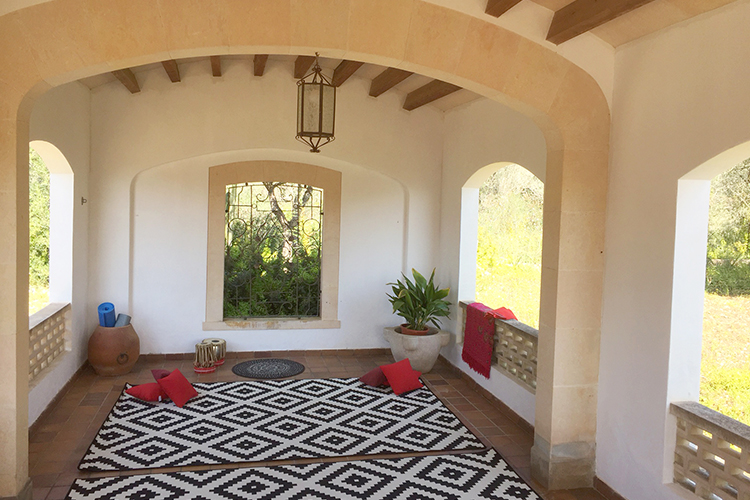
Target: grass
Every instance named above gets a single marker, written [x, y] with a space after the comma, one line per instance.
[38, 298]
[513, 286]
[725, 366]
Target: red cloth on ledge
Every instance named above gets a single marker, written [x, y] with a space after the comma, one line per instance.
[479, 335]
[502, 313]
[479, 338]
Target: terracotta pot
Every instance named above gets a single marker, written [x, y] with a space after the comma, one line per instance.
[405, 330]
[114, 351]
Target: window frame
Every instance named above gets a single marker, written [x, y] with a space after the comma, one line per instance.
[272, 171]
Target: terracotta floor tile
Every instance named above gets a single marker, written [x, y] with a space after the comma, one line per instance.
[39, 493]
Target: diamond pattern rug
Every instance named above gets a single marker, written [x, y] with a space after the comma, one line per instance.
[259, 421]
[467, 476]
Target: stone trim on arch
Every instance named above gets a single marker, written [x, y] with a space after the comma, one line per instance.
[44, 46]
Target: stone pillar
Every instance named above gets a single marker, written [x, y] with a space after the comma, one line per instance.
[563, 455]
[14, 318]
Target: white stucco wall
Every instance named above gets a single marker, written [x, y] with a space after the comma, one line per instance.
[479, 138]
[680, 99]
[62, 118]
[150, 158]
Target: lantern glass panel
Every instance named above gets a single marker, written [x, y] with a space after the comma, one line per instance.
[311, 108]
[329, 105]
[300, 107]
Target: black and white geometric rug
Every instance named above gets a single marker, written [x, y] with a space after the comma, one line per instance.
[468, 476]
[251, 421]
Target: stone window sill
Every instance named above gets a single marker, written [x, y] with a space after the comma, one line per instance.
[272, 324]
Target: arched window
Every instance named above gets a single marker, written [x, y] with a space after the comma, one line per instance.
[60, 220]
[273, 252]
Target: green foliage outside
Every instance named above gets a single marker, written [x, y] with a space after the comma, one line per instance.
[271, 263]
[725, 369]
[509, 250]
[728, 265]
[38, 233]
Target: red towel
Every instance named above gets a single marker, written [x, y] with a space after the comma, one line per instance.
[479, 338]
[501, 313]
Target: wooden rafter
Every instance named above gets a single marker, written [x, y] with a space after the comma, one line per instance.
[428, 93]
[499, 7]
[584, 15]
[259, 64]
[172, 70]
[301, 65]
[216, 65]
[344, 70]
[127, 78]
[388, 79]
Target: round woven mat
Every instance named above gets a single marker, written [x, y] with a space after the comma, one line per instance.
[268, 368]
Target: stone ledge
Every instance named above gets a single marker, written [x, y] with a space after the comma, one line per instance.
[716, 423]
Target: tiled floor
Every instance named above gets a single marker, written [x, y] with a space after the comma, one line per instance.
[58, 441]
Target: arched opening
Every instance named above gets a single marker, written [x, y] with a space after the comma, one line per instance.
[60, 221]
[573, 108]
[501, 239]
[509, 247]
[688, 286]
[725, 371]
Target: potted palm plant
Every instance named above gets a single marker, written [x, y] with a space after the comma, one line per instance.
[421, 303]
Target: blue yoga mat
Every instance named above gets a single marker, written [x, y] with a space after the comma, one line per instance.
[106, 314]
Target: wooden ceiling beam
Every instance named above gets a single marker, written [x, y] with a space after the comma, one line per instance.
[301, 65]
[216, 66]
[172, 70]
[259, 64]
[388, 79]
[344, 70]
[127, 78]
[584, 15]
[428, 93]
[499, 7]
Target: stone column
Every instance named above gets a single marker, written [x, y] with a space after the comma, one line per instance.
[14, 318]
[563, 455]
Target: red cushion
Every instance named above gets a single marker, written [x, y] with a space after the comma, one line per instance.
[177, 388]
[402, 377]
[147, 392]
[160, 373]
[374, 378]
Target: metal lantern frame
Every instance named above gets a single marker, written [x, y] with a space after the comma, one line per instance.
[318, 137]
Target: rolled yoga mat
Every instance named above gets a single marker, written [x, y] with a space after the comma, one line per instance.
[106, 314]
[122, 320]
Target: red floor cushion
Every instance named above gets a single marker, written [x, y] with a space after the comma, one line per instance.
[147, 392]
[160, 373]
[374, 378]
[177, 388]
[402, 377]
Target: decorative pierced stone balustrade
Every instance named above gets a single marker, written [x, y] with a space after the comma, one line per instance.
[712, 455]
[516, 347]
[48, 334]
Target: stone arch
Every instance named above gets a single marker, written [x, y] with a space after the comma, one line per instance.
[44, 45]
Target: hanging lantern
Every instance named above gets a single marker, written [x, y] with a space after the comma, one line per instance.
[316, 109]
